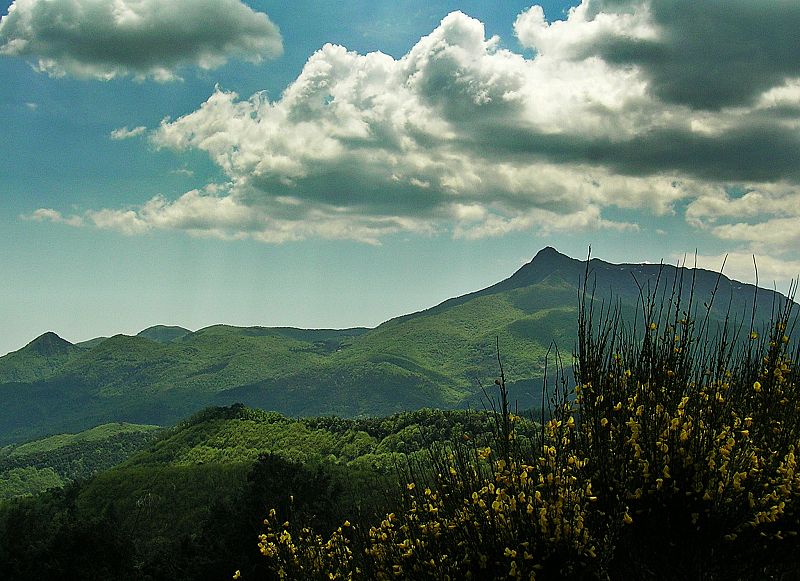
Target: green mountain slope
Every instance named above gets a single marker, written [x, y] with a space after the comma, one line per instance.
[39, 359]
[433, 358]
[191, 503]
[163, 333]
[52, 462]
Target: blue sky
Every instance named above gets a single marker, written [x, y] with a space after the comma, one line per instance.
[333, 164]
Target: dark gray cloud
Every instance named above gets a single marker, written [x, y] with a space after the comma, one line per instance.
[756, 151]
[144, 38]
[711, 53]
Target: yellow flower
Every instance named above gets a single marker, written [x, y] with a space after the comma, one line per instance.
[627, 519]
[753, 335]
[237, 575]
[652, 326]
[757, 386]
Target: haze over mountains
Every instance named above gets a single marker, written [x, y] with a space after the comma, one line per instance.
[432, 358]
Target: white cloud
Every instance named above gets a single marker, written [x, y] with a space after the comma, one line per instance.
[544, 221]
[126, 221]
[463, 137]
[748, 201]
[125, 133]
[372, 136]
[739, 265]
[778, 234]
[49, 215]
[585, 26]
[104, 39]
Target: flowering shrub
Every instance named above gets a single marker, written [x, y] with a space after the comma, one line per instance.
[672, 454]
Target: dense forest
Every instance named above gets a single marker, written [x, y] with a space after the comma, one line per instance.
[52, 462]
[191, 504]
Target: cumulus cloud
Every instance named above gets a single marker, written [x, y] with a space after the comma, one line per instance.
[50, 215]
[208, 213]
[744, 202]
[464, 137]
[741, 266]
[708, 55]
[104, 39]
[125, 133]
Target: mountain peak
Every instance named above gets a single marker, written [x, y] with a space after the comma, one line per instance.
[550, 257]
[163, 333]
[546, 262]
[49, 344]
[547, 252]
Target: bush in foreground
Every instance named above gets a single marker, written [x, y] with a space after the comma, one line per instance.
[672, 455]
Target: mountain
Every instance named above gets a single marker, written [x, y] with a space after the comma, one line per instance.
[39, 359]
[623, 282]
[432, 358]
[52, 462]
[163, 333]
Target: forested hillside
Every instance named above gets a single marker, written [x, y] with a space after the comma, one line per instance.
[190, 506]
[52, 462]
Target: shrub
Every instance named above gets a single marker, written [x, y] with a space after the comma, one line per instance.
[668, 452]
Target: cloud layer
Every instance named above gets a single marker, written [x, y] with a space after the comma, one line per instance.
[632, 104]
[104, 39]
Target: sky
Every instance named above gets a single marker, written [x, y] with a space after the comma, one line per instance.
[336, 164]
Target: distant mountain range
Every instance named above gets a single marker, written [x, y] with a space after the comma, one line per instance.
[432, 358]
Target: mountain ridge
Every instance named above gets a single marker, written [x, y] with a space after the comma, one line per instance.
[436, 357]
[549, 261]
[528, 274]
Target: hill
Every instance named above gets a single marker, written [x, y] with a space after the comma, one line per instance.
[30, 468]
[39, 359]
[433, 358]
[163, 333]
[191, 502]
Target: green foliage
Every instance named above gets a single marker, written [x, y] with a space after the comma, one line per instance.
[590, 492]
[671, 456]
[190, 505]
[27, 481]
[163, 333]
[93, 435]
[30, 468]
